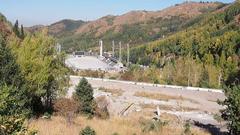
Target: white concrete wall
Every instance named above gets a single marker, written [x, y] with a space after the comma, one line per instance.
[155, 85]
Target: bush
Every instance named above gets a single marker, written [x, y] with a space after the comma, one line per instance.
[152, 125]
[63, 106]
[11, 124]
[90, 73]
[87, 131]
[47, 115]
[66, 107]
[101, 110]
[187, 128]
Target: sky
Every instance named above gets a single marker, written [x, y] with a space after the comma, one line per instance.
[45, 12]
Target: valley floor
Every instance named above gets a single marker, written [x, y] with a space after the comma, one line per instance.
[176, 106]
[198, 106]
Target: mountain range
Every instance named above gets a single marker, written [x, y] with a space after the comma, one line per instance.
[135, 27]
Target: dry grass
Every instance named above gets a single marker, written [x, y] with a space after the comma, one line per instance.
[114, 92]
[152, 106]
[163, 97]
[168, 107]
[123, 126]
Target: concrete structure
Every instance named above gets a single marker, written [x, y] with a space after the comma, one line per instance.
[81, 60]
[101, 48]
[113, 48]
[128, 54]
[79, 54]
[58, 48]
[87, 63]
[120, 51]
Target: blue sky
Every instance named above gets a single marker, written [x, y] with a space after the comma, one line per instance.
[32, 12]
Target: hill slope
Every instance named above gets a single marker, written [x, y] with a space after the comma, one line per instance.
[185, 10]
[60, 28]
[5, 27]
[205, 54]
[136, 26]
[64, 27]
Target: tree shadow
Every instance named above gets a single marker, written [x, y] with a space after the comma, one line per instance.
[212, 129]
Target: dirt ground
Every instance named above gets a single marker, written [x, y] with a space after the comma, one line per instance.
[129, 105]
[198, 106]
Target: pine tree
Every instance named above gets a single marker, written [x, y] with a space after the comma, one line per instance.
[84, 94]
[22, 34]
[16, 29]
[232, 110]
[13, 95]
[204, 82]
[10, 73]
[232, 103]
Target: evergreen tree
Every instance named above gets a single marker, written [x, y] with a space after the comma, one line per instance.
[232, 112]
[232, 102]
[13, 95]
[84, 94]
[16, 29]
[204, 79]
[22, 34]
[10, 73]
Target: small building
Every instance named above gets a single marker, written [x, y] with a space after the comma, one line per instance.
[79, 53]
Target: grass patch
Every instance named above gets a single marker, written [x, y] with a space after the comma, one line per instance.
[162, 97]
[168, 107]
[123, 126]
[114, 92]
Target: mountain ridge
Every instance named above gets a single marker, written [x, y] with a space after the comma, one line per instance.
[132, 17]
[140, 25]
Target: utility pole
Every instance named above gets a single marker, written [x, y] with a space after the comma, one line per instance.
[120, 51]
[113, 48]
[128, 54]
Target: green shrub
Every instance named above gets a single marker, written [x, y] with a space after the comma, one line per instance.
[153, 125]
[87, 131]
[101, 110]
[47, 115]
[187, 128]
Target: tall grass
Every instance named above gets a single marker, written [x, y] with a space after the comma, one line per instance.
[122, 126]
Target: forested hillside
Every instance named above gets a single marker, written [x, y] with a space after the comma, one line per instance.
[135, 27]
[205, 54]
[59, 29]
